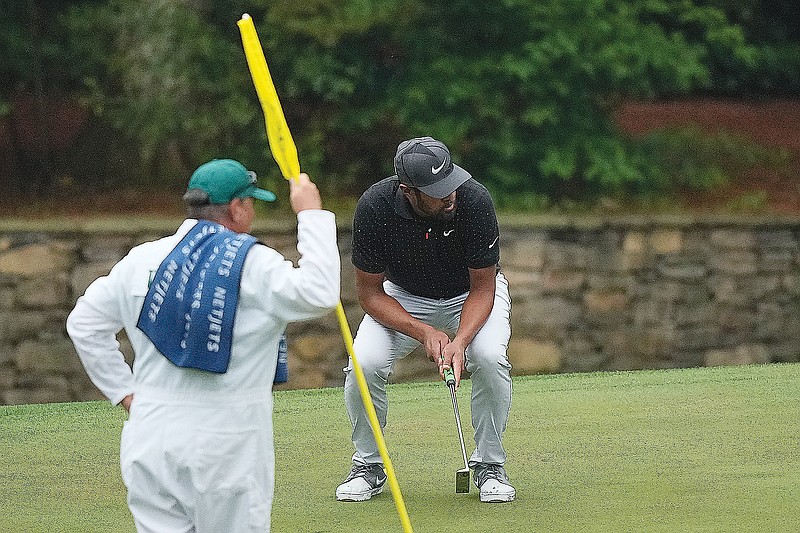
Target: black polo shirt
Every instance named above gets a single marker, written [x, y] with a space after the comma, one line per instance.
[428, 258]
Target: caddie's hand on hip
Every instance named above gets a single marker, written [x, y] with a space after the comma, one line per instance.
[126, 402]
[303, 194]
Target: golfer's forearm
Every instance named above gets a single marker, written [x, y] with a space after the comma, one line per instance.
[387, 311]
[476, 310]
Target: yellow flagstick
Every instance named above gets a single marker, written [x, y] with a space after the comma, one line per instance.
[283, 148]
[373, 420]
[284, 152]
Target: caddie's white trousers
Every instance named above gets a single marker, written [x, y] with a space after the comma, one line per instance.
[377, 348]
[199, 464]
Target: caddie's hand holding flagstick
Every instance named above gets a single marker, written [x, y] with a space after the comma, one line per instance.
[284, 152]
[303, 194]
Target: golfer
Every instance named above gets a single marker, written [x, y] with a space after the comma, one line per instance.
[426, 251]
[204, 310]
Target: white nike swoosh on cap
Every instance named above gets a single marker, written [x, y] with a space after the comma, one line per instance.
[494, 241]
[436, 170]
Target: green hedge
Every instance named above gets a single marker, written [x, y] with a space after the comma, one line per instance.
[522, 91]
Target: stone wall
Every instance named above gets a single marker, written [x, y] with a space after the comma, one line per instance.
[588, 294]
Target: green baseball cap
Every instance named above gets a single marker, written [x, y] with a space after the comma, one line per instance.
[226, 179]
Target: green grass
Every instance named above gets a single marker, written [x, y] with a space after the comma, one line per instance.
[712, 449]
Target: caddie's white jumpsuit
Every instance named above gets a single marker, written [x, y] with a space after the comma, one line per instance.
[197, 450]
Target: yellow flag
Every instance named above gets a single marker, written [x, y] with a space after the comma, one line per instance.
[281, 143]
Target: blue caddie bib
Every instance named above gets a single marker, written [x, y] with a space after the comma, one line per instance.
[190, 307]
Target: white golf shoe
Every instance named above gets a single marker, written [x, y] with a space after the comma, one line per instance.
[363, 482]
[492, 481]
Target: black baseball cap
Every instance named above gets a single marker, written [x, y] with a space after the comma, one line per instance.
[424, 163]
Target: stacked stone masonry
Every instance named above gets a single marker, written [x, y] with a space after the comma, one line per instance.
[588, 294]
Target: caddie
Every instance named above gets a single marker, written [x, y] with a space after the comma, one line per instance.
[426, 251]
[205, 310]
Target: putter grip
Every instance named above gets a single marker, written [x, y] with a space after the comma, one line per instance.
[449, 377]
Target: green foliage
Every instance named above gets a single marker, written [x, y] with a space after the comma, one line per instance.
[521, 91]
[753, 202]
[31, 44]
[522, 109]
[689, 158]
[164, 77]
[773, 29]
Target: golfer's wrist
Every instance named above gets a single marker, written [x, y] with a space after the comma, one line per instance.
[425, 332]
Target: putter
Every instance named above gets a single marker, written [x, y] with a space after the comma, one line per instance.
[462, 476]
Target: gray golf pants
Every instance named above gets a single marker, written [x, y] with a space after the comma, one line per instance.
[377, 348]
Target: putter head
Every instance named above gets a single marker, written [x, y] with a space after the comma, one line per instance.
[462, 481]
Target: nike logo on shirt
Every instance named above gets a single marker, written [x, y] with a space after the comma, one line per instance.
[436, 170]
[448, 232]
[494, 241]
